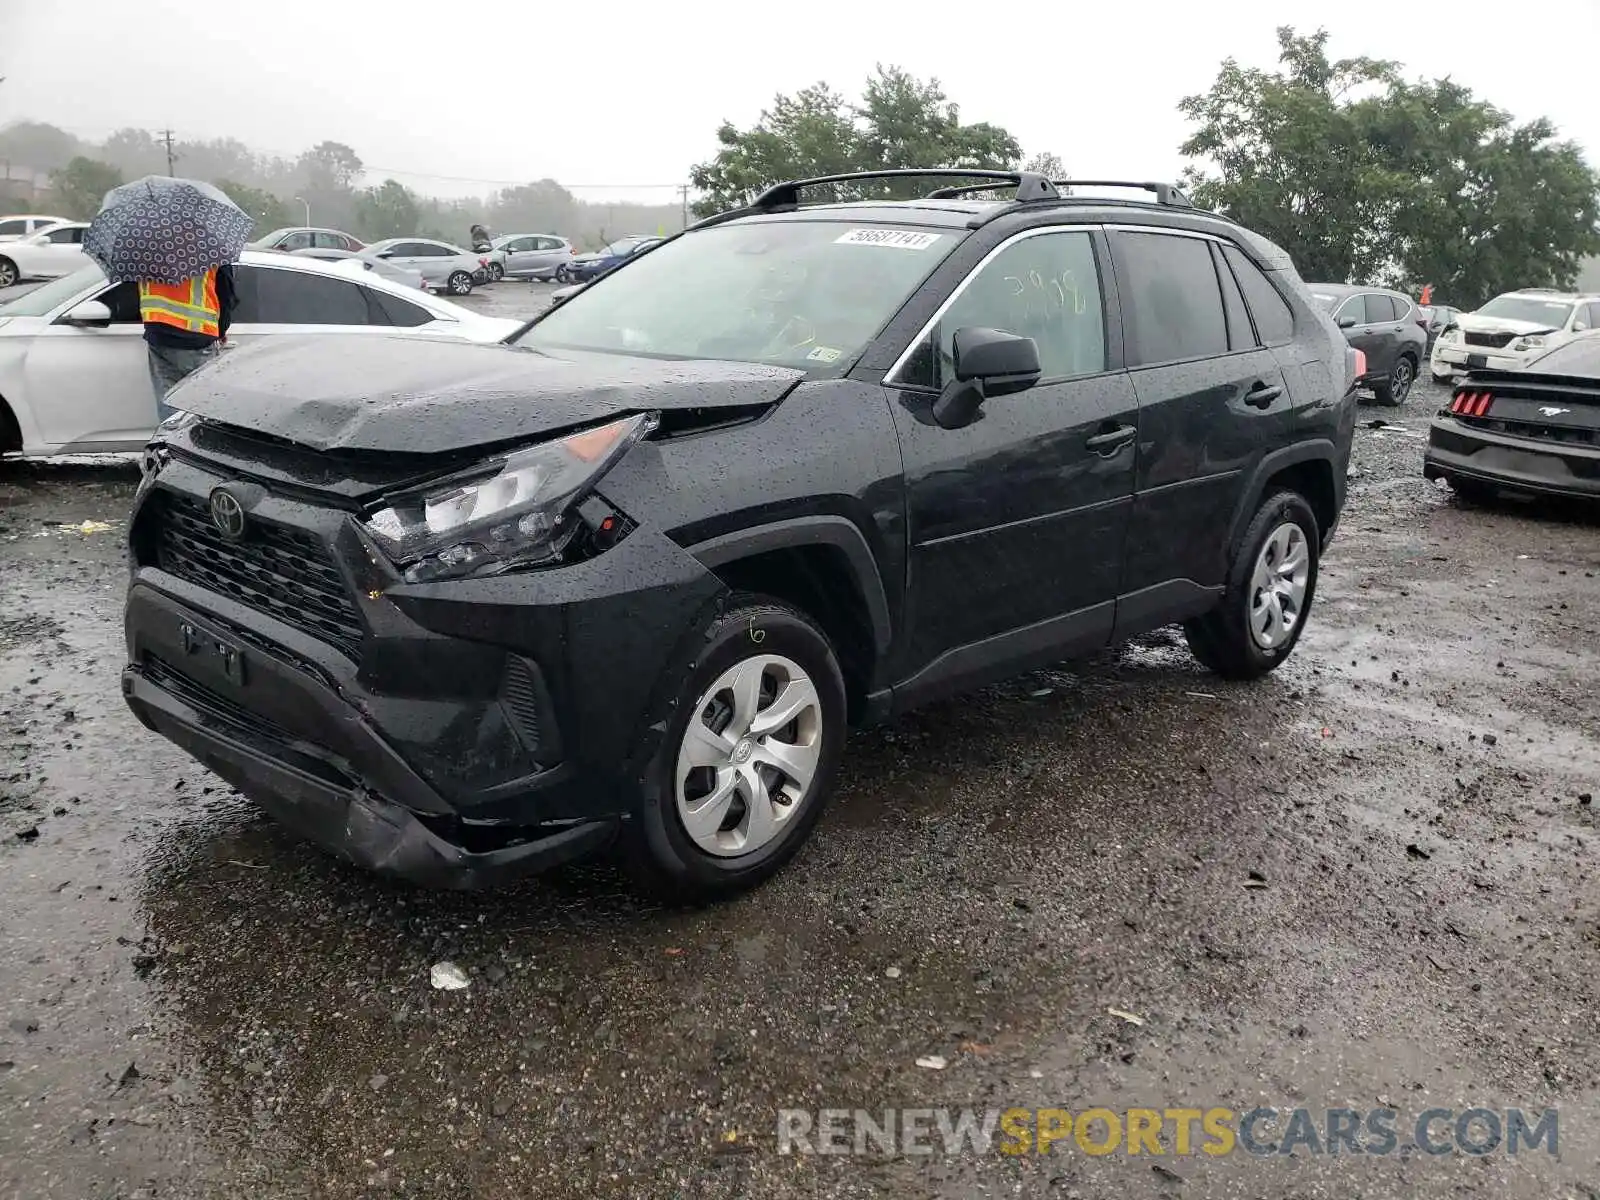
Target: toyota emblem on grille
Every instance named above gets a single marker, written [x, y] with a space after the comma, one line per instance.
[227, 514]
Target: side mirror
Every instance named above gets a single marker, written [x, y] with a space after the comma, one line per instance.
[988, 362]
[90, 312]
[1347, 322]
[1580, 327]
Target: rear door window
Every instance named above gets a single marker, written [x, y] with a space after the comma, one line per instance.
[301, 298]
[391, 310]
[1174, 300]
[15, 227]
[1273, 318]
[1380, 309]
[1240, 335]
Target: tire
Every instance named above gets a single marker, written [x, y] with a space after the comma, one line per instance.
[8, 273]
[496, 272]
[668, 854]
[459, 283]
[1397, 387]
[563, 273]
[1226, 638]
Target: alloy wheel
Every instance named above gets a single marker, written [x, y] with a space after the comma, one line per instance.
[749, 755]
[8, 273]
[1278, 586]
[1400, 380]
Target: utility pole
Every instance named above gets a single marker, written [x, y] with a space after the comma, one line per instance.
[166, 136]
[683, 190]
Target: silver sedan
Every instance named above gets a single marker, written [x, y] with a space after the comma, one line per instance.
[443, 266]
[383, 268]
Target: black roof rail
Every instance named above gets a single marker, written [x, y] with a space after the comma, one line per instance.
[782, 196]
[1165, 193]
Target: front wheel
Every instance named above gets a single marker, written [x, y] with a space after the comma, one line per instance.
[747, 760]
[496, 272]
[8, 273]
[1397, 387]
[460, 283]
[563, 273]
[1268, 595]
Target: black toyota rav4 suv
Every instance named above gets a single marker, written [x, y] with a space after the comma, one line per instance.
[462, 612]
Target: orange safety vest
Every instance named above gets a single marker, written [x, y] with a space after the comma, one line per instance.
[191, 305]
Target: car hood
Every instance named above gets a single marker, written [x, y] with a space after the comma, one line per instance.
[1473, 323]
[425, 396]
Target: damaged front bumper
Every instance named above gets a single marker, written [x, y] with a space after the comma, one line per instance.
[350, 821]
[349, 791]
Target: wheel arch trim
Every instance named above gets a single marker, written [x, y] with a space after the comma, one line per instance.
[795, 533]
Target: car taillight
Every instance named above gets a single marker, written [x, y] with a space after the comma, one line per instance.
[1471, 404]
[483, 262]
[1361, 362]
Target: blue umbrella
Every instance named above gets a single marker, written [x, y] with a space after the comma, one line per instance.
[165, 230]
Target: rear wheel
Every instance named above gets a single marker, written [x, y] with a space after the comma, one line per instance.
[747, 761]
[459, 283]
[1397, 387]
[1269, 591]
[8, 273]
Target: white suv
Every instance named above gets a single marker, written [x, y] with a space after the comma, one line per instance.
[1512, 329]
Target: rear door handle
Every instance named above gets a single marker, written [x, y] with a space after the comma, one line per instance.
[1263, 394]
[1112, 440]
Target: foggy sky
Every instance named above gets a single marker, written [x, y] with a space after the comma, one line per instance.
[457, 99]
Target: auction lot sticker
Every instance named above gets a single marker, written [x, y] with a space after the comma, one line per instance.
[899, 239]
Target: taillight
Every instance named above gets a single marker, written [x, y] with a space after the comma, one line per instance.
[1471, 404]
[483, 262]
[1361, 362]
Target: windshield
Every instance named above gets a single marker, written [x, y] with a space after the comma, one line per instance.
[46, 297]
[792, 293]
[1551, 313]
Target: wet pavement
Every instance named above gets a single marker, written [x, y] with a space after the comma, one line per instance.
[1368, 881]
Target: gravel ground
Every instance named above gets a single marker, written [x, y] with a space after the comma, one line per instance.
[1367, 881]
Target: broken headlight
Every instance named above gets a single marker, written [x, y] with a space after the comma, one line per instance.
[511, 512]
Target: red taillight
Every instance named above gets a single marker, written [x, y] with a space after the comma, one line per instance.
[1471, 404]
[483, 262]
[1361, 363]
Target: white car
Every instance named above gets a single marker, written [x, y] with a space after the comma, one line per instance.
[21, 225]
[443, 266]
[533, 255]
[54, 251]
[1513, 329]
[358, 261]
[74, 377]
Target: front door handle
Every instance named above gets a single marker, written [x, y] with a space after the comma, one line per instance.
[1112, 440]
[1263, 394]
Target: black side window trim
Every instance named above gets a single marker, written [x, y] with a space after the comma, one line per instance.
[1108, 308]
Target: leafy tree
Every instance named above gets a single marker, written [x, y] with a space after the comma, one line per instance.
[38, 147]
[1365, 178]
[901, 122]
[78, 188]
[268, 210]
[330, 167]
[1046, 164]
[387, 212]
[134, 152]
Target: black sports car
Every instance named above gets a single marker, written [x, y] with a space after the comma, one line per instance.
[1534, 430]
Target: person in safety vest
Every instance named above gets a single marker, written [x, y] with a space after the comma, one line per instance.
[183, 325]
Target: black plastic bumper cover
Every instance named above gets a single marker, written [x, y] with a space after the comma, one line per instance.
[1520, 464]
[350, 822]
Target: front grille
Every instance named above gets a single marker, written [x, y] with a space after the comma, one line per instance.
[1493, 340]
[285, 573]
